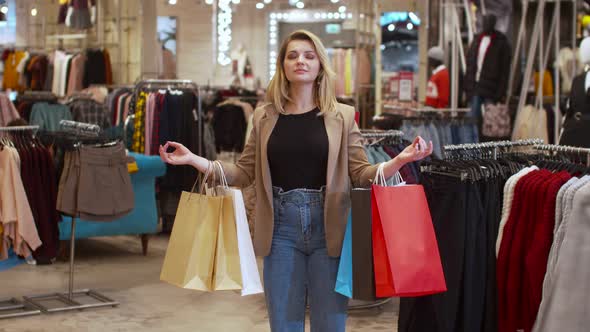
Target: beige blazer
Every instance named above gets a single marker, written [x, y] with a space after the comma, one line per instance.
[346, 161]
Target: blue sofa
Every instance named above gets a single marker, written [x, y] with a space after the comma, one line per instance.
[142, 220]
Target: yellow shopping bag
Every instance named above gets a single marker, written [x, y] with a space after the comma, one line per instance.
[227, 273]
[190, 257]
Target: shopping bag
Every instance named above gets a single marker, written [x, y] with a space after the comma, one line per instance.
[190, 256]
[226, 274]
[383, 277]
[344, 277]
[248, 266]
[412, 250]
[363, 277]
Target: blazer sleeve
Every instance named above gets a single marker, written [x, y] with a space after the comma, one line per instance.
[241, 174]
[361, 172]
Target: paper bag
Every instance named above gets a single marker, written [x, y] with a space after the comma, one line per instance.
[190, 256]
[248, 266]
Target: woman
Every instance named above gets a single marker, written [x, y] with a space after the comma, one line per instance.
[302, 153]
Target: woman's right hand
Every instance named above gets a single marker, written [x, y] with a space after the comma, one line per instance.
[180, 156]
[183, 156]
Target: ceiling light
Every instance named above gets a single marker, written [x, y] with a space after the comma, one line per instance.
[336, 15]
[335, 1]
[349, 15]
[391, 27]
[267, 1]
[342, 9]
[209, 2]
[236, 2]
[259, 5]
[172, 2]
[324, 16]
[4, 9]
[300, 5]
[330, 15]
[34, 12]
[410, 26]
[316, 16]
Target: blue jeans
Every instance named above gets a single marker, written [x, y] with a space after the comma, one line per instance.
[299, 265]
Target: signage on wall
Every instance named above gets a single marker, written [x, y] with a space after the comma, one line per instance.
[406, 86]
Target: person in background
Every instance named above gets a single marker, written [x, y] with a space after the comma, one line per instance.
[304, 154]
[437, 94]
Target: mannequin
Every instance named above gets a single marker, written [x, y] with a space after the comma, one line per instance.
[437, 94]
[488, 67]
[576, 127]
[81, 14]
[239, 58]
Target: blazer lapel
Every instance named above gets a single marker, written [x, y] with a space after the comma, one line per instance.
[267, 124]
[333, 122]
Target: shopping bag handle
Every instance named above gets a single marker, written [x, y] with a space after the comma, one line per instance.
[204, 177]
[380, 177]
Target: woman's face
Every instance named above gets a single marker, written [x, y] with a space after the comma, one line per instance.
[301, 64]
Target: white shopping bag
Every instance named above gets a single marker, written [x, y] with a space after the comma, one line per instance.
[250, 276]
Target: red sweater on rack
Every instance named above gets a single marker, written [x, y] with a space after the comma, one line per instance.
[517, 212]
[537, 253]
[437, 92]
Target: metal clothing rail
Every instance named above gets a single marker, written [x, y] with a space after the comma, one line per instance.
[19, 128]
[566, 149]
[381, 134]
[153, 84]
[427, 110]
[496, 144]
[450, 149]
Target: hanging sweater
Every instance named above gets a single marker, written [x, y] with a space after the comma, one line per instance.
[437, 94]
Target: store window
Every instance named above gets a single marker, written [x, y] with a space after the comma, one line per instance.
[399, 46]
[399, 56]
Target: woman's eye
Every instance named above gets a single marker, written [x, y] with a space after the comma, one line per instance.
[310, 56]
[292, 56]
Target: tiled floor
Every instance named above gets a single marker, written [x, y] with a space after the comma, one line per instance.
[115, 267]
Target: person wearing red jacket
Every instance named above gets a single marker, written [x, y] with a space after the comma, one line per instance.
[437, 94]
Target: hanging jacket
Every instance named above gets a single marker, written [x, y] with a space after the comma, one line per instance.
[577, 118]
[495, 70]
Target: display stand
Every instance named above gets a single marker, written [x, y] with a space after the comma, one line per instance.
[33, 305]
[536, 45]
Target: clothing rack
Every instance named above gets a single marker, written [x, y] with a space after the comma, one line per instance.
[19, 128]
[369, 133]
[11, 307]
[450, 149]
[565, 149]
[154, 84]
[452, 111]
[33, 304]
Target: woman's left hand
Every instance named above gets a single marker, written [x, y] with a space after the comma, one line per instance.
[418, 150]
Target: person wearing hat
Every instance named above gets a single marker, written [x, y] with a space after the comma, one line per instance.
[437, 94]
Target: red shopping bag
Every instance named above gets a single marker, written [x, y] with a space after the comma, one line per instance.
[383, 277]
[406, 237]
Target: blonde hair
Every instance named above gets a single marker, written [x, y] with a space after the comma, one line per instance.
[324, 95]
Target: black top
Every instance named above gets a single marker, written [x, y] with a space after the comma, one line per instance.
[298, 151]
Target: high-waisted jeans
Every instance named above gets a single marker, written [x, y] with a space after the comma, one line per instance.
[298, 266]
